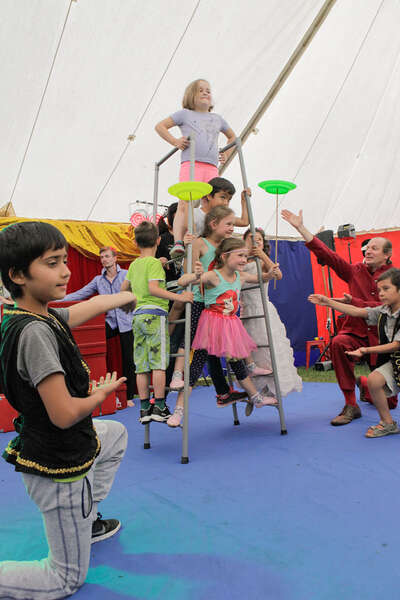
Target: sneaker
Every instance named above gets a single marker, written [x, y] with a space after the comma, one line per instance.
[177, 382]
[145, 415]
[160, 415]
[231, 397]
[104, 528]
[265, 401]
[176, 417]
[382, 429]
[256, 371]
[348, 414]
[177, 250]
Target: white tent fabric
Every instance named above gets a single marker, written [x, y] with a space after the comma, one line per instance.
[122, 66]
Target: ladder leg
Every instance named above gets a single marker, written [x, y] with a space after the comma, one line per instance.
[146, 444]
[234, 407]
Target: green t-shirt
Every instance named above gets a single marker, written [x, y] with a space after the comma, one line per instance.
[140, 272]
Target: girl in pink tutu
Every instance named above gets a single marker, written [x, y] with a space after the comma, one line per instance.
[220, 332]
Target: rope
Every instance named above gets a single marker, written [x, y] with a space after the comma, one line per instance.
[334, 100]
[39, 109]
[133, 135]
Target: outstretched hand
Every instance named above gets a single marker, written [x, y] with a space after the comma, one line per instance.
[291, 218]
[107, 384]
[345, 299]
[358, 353]
[318, 299]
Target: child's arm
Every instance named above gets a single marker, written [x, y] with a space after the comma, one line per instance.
[197, 251]
[209, 279]
[162, 130]
[194, 277]
[252, 278]
[65, 410]
[156, 290]
[243, 220]
[381, 349]
[230, 137]
[82, 312]
[347, 309]
[267, 264]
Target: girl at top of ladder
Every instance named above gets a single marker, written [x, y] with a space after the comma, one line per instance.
[219, 224]
[195, 119]
[220, 332]
[289, 379]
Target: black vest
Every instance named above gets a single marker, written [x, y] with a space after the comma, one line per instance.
[41, 447]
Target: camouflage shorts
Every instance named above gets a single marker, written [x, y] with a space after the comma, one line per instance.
[151, 343]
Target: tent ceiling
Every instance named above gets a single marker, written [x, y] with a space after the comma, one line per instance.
[333, 128]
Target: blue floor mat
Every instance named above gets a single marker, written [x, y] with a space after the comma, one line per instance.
[254, 515]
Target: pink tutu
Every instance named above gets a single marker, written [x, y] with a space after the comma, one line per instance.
[222, 335]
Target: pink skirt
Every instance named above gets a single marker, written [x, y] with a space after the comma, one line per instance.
[222, 335]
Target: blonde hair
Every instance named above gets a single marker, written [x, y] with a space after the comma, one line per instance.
[190, 93]
[227, 245]
[216, 214]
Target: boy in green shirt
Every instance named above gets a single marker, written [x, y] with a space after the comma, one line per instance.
[146, 278]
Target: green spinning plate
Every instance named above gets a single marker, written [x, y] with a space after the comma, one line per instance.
[190, 190]
[276, 186]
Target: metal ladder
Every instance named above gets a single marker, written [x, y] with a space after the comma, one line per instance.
[238, 143]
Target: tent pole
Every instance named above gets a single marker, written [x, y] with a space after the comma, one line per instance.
[283, 75]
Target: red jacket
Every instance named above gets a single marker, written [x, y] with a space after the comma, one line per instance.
[362, 287]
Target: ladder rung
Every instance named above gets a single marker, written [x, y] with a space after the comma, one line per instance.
[176, 354]
[263, 346]
[251, 287]
[253, 317]
[177, 321]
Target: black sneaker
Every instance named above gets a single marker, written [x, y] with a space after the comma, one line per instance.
[160, 414]
[104, 528]
[145, 415]
[230, 398]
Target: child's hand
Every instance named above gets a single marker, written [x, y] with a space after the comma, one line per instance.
[130, 304]
[164, 261]
[243, 195]
[318, 299]
[274, 271]
[107, 384]
[181, 143]
[359, 353]
[186, 297]
[188, 238]
[256, 251]
[222, 157]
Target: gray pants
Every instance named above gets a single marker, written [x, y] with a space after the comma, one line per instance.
[67, 517]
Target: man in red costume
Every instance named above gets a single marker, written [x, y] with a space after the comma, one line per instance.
[361, 279]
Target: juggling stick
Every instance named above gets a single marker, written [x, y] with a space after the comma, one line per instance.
[276, 186]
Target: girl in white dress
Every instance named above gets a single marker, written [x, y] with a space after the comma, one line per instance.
[289, 380]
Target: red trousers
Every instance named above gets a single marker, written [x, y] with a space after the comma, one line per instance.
[344, 365]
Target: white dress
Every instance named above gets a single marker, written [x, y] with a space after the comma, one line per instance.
[289, 380]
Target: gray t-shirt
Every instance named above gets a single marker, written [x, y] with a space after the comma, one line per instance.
[199, 218]
[38, 354]
[373, 317]
[206, 127]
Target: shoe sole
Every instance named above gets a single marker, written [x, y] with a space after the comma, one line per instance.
[105, 536]
[157, 419]
[145, 420]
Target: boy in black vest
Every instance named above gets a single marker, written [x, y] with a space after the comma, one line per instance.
[384, 381]
[67, 464]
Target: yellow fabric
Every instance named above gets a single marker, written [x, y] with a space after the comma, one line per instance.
[87, 237]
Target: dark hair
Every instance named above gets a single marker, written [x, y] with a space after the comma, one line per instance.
[146, 234]
[227, 245]
[172, 208]
[219, 184]
[392, 274]
[215, 214]
[21, 244]
[266, 242]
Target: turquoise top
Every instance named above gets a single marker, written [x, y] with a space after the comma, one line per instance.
[212, 294]
[205, 260]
